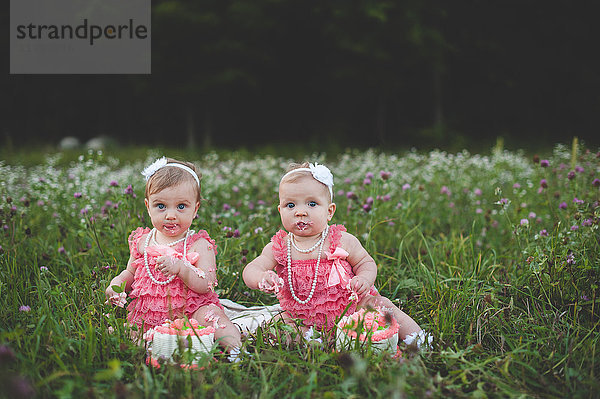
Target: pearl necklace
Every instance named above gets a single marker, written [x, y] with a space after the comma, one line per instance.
[171, 244]
[289, 267]
[153, 232]
[306, 251]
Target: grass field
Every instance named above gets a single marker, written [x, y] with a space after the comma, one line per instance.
[498, 256]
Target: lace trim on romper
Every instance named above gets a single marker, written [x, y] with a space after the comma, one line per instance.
[327, 303]
[155, 303]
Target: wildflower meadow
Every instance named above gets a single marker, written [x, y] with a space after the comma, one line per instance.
[497, 256]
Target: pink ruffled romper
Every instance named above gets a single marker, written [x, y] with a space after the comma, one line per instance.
[328, 301]
[155, 303]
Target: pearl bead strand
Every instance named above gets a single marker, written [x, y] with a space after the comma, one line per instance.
[289, 267]
[309, 250]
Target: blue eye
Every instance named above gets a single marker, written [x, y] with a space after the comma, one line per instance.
[160, 206]
[290, 205]
[312, 204]
[181, 206]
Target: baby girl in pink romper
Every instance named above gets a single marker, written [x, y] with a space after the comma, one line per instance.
[171, 270]
[317, 270]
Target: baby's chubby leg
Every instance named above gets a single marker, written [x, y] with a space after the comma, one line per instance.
[226, 332]
[407, 324]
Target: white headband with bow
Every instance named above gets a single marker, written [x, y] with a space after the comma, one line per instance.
[160, 163]
[321, 173]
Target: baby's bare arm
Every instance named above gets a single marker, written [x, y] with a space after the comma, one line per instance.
[259, 268]
[126, 276]
[202, 276]
[363, 265]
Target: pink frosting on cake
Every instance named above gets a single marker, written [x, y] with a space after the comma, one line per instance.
[372, 321]
[181, 327]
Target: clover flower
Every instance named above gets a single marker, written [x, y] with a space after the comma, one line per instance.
[478, 210]
[579, 169]
[570, 259]
[406, 186]
[366, 181]
[543, 183]
[369, 175]
[77, 195]
[571, 175]
[129, 190]
[596, 182]
[587, 222]
[562, 205]
[445, 190]
[516, 185]
[61, 250]
[24, 308]
[113, 183]
[544, 163]
[531, 215]
[524, 222]
[477, 192]
[369, 200]
[226, 207]
[385, 175]
[574, 227]
[543, 233]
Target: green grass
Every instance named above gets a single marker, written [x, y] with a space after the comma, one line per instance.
[513, 305]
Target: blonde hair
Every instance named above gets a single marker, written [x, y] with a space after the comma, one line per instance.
[167, 177]
[294, 177]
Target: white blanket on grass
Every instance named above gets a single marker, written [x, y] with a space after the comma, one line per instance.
[248, 319]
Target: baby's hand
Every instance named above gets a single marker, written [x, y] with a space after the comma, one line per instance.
[270, 282]
[116, 299]
[360, 285]
[168, 265]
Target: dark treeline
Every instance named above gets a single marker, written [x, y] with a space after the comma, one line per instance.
[364, 72]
